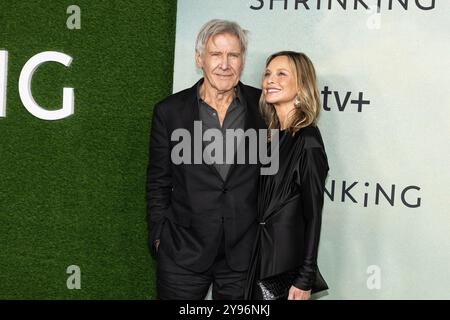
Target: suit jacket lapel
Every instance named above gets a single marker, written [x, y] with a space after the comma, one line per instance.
[191, 114]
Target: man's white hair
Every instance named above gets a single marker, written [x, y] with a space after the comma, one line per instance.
[217, 26]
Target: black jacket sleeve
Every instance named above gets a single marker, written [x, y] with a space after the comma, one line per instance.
[313, 170]
[159, 177]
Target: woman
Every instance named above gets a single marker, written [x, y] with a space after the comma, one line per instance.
[290, 202]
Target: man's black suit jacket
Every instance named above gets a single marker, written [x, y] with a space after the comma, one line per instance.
[188, 203]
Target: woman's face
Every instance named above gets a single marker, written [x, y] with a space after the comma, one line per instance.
[280, 82]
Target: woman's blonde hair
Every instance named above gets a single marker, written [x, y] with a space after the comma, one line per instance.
[307, 102]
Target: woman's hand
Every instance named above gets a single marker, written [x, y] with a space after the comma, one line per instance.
[298, 294]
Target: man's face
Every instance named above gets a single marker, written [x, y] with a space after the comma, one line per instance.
[221, 62]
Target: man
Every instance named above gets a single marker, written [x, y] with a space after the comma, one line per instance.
[202, 217]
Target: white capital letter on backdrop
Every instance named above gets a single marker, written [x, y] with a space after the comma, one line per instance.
[25, 87]
[3, 81]
[73, 21]
[74, 281]
[374, 280]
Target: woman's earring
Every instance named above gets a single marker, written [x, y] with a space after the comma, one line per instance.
[297, 102]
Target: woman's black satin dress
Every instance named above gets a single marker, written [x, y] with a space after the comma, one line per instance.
[289, 212]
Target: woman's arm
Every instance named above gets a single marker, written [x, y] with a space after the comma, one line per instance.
[313, 170]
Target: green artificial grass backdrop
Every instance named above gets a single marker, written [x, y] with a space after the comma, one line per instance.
[72, 191]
